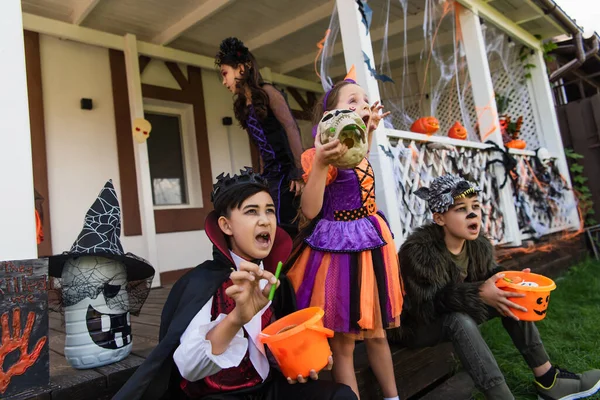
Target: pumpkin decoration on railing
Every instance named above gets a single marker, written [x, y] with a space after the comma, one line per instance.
[510, 133]
[426, 125]
[457, 131]
[510, 130]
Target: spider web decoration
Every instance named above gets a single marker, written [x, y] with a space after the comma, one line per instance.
[101, 226]
[416, 165]
[90, 277]
[93, 259]
[540, 198]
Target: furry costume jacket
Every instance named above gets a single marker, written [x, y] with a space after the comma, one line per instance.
[432, 279]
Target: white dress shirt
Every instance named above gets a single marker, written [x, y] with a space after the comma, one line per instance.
[194, 357]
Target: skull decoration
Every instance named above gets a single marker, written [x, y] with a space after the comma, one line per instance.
[96, 335]
[99, 286]
[141, 130]
[350, 130]
[544, 157]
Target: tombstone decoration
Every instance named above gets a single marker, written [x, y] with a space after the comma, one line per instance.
[24, 357]
[98, 287]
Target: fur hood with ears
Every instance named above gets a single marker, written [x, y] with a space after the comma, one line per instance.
[432, 279]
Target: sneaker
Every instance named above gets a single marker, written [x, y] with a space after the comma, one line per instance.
[570, 386]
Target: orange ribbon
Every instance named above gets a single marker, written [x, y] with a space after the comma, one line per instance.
[321, 45]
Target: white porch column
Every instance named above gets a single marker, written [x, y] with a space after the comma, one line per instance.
[142, 164]
[485, 104]
[548, 124]
[355, 42]
[17, 215]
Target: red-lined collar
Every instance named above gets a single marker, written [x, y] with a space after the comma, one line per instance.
[282, 245]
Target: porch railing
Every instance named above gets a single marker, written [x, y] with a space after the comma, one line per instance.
[540, 204]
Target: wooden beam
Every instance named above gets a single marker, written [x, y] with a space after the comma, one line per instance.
[298, 97]
[132, 224]
[485, 104]
[140, 150]
[290, 26]
[94, 37]
[82, 9]
[177, 74]
[38, 134]
[356, 44]
[201, 13]
[144, 61]
[501, 21]
[377, 34]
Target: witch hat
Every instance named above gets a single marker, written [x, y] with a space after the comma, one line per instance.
[100, 237]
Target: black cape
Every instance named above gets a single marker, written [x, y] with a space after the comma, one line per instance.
[158, 377]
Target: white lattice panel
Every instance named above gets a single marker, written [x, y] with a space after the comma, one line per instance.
[542, 205]
[402, 120]
[416, 165]
[512, 81]
[449, 111]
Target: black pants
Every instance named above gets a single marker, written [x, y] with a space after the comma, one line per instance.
[474, 353]
[277, 388]
[287, 204]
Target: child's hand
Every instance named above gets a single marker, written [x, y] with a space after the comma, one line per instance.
[376, 117]
[245, 291]
[313, 374]
[494, 297]
[297, 187]
[329, 152]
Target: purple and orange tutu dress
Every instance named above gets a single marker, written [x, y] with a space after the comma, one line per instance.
[348, 264]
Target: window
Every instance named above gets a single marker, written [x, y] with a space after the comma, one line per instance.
[172, 155]
[165, 153]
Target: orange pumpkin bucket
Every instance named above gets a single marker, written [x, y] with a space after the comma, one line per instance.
[536, 288]
[299, 342]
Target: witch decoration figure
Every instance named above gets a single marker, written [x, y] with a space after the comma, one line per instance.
[98, 286]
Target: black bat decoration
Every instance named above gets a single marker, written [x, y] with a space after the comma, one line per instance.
[366, 13]
[381, 77]
[387, 152]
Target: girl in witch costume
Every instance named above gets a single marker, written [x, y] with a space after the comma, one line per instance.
[208, 345]
[264, 113]
[99, 286]
[345, 261]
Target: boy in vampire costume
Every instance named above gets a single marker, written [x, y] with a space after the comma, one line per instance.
[208, 342]
[450, 278]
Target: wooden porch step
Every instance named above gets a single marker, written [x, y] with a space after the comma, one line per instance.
[415, 370]
[458, 387]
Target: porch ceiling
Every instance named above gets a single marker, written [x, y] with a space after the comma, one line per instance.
[282, 33]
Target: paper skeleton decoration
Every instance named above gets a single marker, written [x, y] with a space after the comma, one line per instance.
[99, 287]
[350, 129]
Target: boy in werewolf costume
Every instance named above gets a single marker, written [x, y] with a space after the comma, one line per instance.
[208, 341]
[449, 276]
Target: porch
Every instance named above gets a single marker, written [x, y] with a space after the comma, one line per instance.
[428, 373]
[448, 60]
[133, 57]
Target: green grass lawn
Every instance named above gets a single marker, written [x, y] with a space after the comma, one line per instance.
[570, 331]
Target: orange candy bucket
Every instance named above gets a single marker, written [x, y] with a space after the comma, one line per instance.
[537, 290]
[299, 342]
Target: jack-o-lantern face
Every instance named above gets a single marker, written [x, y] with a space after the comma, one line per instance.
[427, 125]
[541, 305]
[350, 130]
[98, 326]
